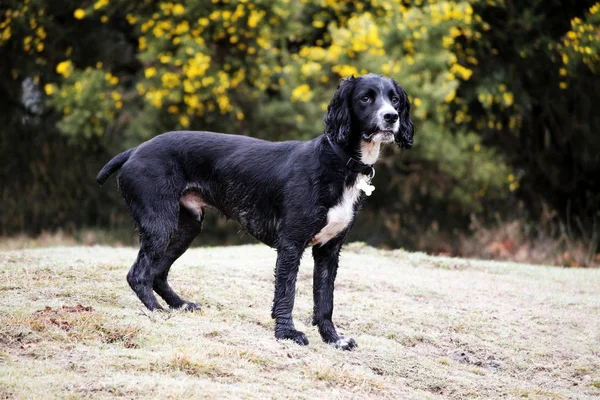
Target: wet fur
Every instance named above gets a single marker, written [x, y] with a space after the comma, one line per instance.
[280, 193]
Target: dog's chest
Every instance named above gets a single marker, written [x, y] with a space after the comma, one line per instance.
[339, 216]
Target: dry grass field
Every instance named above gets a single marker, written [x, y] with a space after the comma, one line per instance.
[427, 328]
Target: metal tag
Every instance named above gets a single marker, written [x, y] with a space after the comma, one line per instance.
[364, 184]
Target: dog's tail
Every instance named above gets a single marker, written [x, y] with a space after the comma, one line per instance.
[113, 165]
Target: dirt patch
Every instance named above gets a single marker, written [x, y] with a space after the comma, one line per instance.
[489, 362]
[63, 325]
[52, 316]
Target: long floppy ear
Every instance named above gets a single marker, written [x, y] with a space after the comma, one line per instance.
[404, 137]
[338, 119]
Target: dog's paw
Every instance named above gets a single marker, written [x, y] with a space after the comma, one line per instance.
[344, 343]
[189, 306]
[297, 336]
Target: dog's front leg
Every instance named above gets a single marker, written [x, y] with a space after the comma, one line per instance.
[286, 271]
[326, 264]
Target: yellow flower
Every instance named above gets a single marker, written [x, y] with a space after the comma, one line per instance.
[455, 32]
[65, 68]
[344, 70]
[184, 121]
[447, 41]
[178, 9]
[150, 72]
[41, 32]
[131, 19]
[254, 18]
[224, 105]
[302, 93]
[508, 98]
[563, 85]
[207, 80]
[103, 19]
[49, 89]
[170, 80]
[476, 148]
[100, 3]
[450, 96]
[79, 13]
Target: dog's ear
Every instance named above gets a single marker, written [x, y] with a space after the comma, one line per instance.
[404, 137]
[338, 118]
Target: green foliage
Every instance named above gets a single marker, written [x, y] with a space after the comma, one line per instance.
[87, 100]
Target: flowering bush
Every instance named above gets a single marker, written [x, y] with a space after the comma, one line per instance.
[269, 68]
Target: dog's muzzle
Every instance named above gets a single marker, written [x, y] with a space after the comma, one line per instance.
[380, 135]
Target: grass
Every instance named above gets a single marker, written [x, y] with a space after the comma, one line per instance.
[427, 328]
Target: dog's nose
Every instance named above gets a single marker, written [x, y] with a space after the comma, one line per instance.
[390, 117]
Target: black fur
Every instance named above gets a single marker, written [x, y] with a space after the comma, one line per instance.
[279, 192]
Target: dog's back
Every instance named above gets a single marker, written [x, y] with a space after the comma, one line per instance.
[243, 178]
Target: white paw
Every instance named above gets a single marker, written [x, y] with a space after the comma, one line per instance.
[345, 343]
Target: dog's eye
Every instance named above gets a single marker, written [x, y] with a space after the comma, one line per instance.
[395, 100]
[365, 99]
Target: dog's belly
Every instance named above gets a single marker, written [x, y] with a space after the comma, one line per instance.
[338, 217]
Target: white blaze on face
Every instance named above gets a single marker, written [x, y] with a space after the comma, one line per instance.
[339, 216]
[369, 151]
[387, 108]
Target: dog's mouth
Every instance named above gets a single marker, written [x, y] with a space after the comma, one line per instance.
[381, 135]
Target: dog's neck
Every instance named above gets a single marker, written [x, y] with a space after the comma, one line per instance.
[369, 152]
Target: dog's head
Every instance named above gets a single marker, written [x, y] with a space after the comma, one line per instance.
[369, 108]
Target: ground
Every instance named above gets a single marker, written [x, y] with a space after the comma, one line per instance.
[427, 328]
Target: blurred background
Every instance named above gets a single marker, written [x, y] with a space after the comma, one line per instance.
[505, 97]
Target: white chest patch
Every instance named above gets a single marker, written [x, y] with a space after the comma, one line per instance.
[369, 152]
[339, 216]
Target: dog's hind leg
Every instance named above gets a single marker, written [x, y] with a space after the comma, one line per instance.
[154, 240]
[141, 276]
[286, 271]
[190, 225]
[326, 264]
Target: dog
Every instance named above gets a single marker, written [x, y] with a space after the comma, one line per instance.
[289, 195]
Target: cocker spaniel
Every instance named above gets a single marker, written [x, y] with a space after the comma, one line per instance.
[289, 195]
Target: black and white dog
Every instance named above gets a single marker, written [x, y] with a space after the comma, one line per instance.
[289, 195]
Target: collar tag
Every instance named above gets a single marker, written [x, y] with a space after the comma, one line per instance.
[364, 184]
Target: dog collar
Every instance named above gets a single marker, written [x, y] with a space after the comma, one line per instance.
[351, 163]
